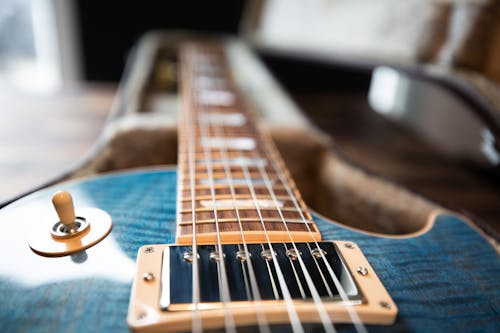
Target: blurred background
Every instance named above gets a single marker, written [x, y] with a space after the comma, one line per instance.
[408, 90]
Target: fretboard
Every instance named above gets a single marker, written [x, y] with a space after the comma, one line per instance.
[232, 183]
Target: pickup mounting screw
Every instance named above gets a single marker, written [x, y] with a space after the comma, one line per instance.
[349, 245]
[385, 305]
[148, 277]
[362, 270]
[149, 249]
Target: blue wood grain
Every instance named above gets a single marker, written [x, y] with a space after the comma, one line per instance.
[447, 280]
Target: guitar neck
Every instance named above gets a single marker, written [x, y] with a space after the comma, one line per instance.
[232, 186]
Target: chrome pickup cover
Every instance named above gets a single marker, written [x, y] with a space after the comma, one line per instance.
[161, 298]
[177, 273]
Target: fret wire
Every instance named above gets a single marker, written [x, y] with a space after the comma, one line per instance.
[200, 177]
[224, 186]
[228, 317]
[250, 214]
[238, 196]
[203, 210]
[244, 270]
[299, 283]
[266, 220]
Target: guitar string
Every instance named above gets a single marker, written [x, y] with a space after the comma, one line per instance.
[322, 312]
[325, 319]
[299, 283]
[221, 266]
[261, 319]
[295, 272]
[196, 322]
[295, 320]
[292, 311]
[295, 203]
[326, 323]
[263, 324]
[343, 295]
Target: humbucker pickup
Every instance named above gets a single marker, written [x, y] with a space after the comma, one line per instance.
[162, 295]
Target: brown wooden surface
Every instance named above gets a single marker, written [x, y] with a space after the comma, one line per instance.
[385, 149]
[43, 135]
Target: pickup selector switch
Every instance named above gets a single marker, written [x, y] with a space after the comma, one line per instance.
[69, 224]
[74, 231]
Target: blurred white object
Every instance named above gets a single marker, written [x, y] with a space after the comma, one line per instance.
[39, 45]
[433, 113]
[374, 30]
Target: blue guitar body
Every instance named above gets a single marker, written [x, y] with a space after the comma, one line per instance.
[445, 280]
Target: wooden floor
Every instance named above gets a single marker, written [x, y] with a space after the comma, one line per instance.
[379, 146]
[43, 135]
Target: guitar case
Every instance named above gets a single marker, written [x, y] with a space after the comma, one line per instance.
[142, 131]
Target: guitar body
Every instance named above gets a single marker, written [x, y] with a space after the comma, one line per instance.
[443, 280]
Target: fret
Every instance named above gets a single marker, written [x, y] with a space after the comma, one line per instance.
[222, 184]
[222, 214]
[234, 167]
[198, 199]
[236, 173]
[228, 206]
[253, 232]
[246, 219]
[255, 225]
[241, 203]
[199, 153]
[217, 155]
[245, 133]
[235, 182]
[260, 190]
[238, 177]
[232, 132]
[228, 143]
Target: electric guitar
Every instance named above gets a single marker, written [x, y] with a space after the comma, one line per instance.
[225, 242]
